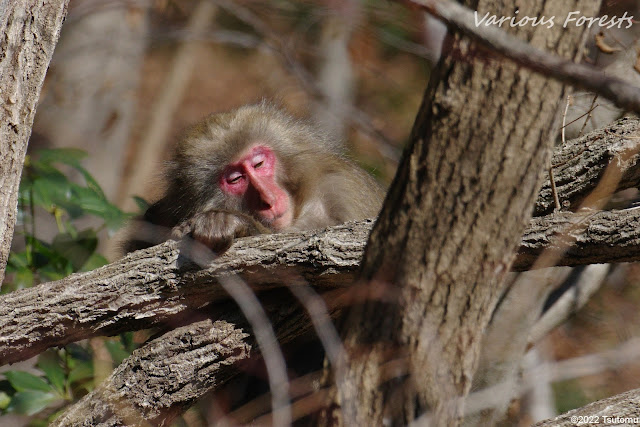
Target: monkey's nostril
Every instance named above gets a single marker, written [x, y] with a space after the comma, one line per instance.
[265, 205]
[267, 199]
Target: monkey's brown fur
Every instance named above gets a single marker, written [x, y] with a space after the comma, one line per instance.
[325, 188]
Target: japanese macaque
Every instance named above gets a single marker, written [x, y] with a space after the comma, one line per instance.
[255, 170]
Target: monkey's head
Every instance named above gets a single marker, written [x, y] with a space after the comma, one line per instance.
[236, 161]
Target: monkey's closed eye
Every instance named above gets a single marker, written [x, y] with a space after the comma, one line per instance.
[258, 160]
[233, 178]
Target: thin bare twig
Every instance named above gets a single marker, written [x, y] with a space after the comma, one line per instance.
[589, 114]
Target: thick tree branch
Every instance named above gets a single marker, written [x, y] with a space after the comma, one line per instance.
[156, 285]
[150, 287]
[138, 392]
[581, 162]
[163, 378]
[607, 236]
[623, 94]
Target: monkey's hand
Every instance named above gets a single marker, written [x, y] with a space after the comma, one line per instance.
[217, 228]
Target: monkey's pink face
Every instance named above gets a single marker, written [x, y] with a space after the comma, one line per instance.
[253, 178]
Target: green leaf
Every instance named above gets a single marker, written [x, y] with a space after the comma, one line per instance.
[22, 277]
[31, 402]
[17, 260]
[51, 365]
[51, 190]
[91, 202]
[126, 338]
[78, 353]
[77, 249]
[117, 220]
[117, 351]
[67, 156]
[5, 399]
[92, 183]
[95, 260]
[22, 381]
[141, 203]
[82, 371]
[50, 263]
[71, 157]
[89, 199]
[51, 275]
[36, 422]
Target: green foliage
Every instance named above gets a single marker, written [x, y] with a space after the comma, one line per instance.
[30, 402]
[45, 186]
[48, 184]
[27, 393]
[120, 349]
[60, 376]
[569, 395]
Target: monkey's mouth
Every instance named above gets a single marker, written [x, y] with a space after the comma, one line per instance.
[275, 220]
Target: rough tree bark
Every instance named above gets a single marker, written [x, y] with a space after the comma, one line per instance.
[29, 31]
[451, 224]
[149, 385]
[580, 164]
[324, 259]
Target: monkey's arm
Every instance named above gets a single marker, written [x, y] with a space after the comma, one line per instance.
[217, 228]
[214, 228]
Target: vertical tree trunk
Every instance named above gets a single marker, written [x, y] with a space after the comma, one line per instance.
[29, 31]
[453, 218]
